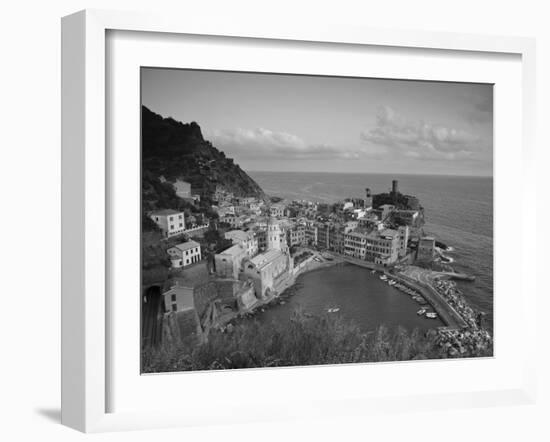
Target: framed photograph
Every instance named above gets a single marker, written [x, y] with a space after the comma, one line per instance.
[288, 222]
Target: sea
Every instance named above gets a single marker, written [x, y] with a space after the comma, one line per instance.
[458, 211]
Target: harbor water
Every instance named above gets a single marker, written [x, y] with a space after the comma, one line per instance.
[357, 294]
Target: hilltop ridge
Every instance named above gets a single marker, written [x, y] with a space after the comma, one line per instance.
[178, 151]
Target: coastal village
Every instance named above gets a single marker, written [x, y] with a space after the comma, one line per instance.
[247, 251]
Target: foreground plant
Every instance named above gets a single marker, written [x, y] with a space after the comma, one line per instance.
[304, 340]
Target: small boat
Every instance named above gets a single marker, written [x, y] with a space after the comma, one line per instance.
[373, 271]
[392, 282]
[431, 315]
[383, 277]
[421, 311]
[333, 310]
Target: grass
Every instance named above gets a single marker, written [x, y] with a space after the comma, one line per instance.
[304, 340]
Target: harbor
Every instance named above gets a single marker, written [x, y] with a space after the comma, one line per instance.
[417, 283]
[353, 292]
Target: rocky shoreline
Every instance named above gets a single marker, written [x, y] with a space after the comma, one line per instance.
[473, 339]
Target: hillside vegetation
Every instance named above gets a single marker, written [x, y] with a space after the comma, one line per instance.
[304, 340]
[174, 150]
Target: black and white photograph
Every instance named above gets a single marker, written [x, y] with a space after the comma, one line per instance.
[286, 221]
[298, 220]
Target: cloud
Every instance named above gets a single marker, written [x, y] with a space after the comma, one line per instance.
[267, 144]
[481, 111]
[394, 135]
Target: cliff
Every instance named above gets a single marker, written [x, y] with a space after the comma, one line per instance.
[175, 150]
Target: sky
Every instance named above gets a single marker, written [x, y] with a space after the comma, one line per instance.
[274, 122]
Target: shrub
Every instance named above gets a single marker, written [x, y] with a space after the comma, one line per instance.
[304, 340]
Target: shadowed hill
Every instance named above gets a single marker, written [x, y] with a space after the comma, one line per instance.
[176, 150]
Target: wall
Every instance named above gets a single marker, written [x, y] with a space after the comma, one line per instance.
[229, 264]
[182, 327]
[30, 177]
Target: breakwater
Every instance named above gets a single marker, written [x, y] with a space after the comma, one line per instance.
[465, 336]
[448, 314]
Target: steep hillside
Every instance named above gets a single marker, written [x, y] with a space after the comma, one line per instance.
[178, 151]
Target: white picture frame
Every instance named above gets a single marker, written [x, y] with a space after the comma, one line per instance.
[85, 217]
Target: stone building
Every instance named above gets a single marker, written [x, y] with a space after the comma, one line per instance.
[185, 254]
[170, 222]
[426, 249]
[183, 189]
[228, 263]
[276, 235]
[382, 247]
[296, 235]
[355, 244]
[247, 239]
[266, 270]
[403, 240]
[277, 210]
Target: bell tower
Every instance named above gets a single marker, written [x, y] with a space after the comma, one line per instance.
[368, 199]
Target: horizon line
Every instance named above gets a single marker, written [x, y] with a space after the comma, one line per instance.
[369, 173]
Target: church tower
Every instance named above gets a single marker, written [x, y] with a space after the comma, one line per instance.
[368, 199]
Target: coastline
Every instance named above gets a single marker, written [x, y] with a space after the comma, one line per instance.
[310, 265]
[462, 333]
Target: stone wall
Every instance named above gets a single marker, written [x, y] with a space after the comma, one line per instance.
[203, 295]
[246, 297]
[181, 327]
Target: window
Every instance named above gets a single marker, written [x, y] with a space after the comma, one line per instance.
[174, 307]
[173, 297]
[181, 225]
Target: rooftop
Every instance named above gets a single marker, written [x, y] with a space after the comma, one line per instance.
[266, 258]
[359, 233]
[235, 250]
[187, 245]
[165, 212]
[239, 235]
[389, 232]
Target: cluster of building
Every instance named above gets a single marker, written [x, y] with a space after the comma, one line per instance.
[236, 211]
[353, 228]
[171, 223]
[260, 255]
[258, 262]
[262, 240]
